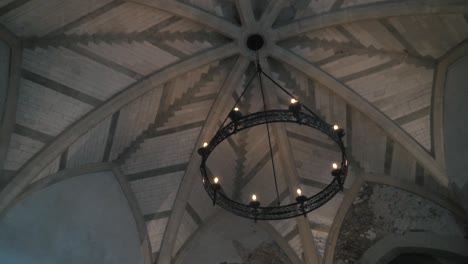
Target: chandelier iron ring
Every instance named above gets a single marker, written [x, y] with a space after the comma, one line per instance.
[303, 204]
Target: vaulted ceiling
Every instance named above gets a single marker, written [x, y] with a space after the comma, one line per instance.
[143, 83]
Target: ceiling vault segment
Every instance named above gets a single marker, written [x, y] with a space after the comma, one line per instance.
[372, 11]
[291, 176]
[221, 104]
[395, 132]
[196, 15]
[348, 200]
[219, 109]
[70, 135]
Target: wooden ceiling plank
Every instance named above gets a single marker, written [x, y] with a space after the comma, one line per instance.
[373, 11]
[196, 15]
[71, 134]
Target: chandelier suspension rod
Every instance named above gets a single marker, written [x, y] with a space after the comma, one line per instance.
[238, 100]
[289, 94]
[260, 71]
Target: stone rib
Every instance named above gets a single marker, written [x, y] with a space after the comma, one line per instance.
[65, 40]
[241, 151]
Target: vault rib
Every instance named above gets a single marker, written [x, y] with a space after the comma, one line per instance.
[271, 12]
[199, 16]
[244, 7]
[437, 113]
[8, 120]
[361, 104]
[348, 200]
[291, 176]
[166, 113]
[217, 111]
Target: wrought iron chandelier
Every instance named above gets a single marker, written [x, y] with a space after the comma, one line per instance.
[297, 113]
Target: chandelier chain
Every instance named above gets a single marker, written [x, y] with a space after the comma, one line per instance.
[238, 100]
[293, 114]
[289, 94]
[260, 71]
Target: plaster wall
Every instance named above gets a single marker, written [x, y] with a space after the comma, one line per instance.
[85, 219]
[456, 128]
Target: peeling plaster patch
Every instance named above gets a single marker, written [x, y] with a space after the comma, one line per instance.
[381, 210]
[410, 212]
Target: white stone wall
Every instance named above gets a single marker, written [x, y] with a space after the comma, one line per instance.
[456, 129]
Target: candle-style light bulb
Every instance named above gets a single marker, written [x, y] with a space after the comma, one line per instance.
[205, 144]
[216, 180]
[254, 197]
[293, 101]
[335, 127]
[236, 109]
[299, 192]
[335, 166]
